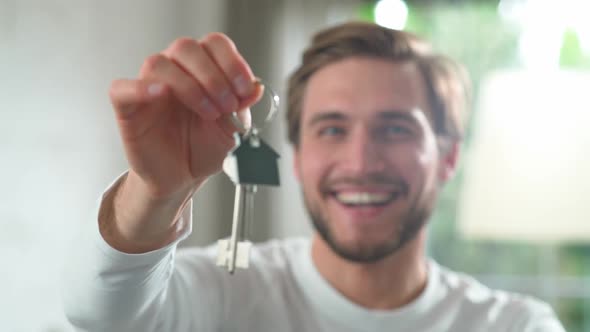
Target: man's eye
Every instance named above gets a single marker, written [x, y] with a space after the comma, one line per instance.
[398, 129]
[395, 130]
[331, 131]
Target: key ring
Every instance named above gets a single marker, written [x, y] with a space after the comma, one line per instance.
[274, 107]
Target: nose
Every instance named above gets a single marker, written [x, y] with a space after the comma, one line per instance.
[364, 154]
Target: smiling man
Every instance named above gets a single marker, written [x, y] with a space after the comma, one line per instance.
[375, 119]
[369, 165]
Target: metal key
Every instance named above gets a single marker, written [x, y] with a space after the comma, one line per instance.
[235, 251]
[250, 164]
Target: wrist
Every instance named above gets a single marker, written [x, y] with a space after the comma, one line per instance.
[132, 220]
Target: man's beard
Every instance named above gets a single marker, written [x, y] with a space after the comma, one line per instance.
[409, 225]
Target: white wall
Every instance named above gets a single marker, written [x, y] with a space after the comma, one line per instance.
[59, 146]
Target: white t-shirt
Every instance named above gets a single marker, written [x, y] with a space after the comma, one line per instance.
[169, 290]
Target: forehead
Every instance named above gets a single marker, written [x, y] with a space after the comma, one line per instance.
[366, 86]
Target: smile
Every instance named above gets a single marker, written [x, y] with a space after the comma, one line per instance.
[364, 198]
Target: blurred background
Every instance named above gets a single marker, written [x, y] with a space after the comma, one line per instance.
[517, 216]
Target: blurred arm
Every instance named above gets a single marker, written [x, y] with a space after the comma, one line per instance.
[108, 290]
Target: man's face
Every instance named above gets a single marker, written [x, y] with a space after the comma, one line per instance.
[367, 159]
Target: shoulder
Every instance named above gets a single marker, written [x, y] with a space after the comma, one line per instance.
[510, 310]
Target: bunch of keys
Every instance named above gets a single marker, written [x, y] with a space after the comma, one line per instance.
[250, 164]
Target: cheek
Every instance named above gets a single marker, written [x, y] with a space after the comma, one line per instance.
[310, 167]
[428, 159]
[417, 162]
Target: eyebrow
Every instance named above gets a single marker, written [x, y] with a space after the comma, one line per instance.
[403, 115]
[388, 115]
[326, 116]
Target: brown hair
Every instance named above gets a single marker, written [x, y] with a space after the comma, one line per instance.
[446, 81]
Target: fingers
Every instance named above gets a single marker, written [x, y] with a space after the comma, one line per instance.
[253, 98]
[218, 67]
[189, 55]
[126, 95]
[228, 123]
[245, 117]
[209, 77]
[184, 87]
[223, 51]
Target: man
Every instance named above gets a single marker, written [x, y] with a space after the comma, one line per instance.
[375, 119]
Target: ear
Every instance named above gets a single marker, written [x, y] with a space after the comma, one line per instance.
[449, 159]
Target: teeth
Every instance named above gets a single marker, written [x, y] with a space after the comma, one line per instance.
[358, 198]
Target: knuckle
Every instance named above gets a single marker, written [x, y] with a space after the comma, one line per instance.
[153, 62]
[212, 83]
[191, 89]
[237, 68]
[219, 39]
[183, 45]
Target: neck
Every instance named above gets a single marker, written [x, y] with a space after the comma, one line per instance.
[387, 284]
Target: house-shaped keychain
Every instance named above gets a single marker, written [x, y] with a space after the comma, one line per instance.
[253, 162]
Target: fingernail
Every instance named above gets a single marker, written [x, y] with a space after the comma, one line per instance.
[243, 86]
[155, 89]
